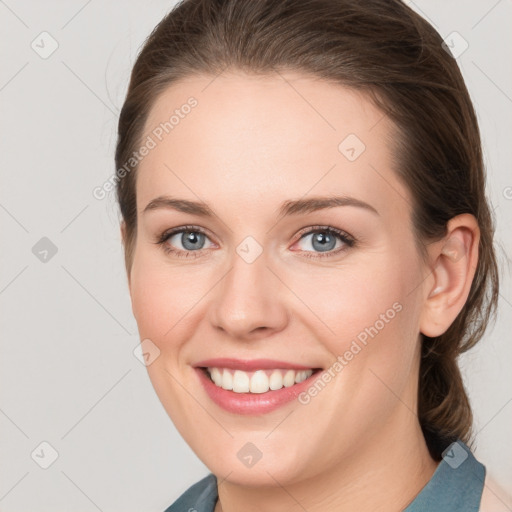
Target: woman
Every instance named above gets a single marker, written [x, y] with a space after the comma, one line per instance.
[309, 248]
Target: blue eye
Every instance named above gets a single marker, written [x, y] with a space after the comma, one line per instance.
[324, 241]
[190, 237]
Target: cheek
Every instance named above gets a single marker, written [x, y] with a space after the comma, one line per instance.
[167, 300]
[366, 319]
[159, 298]
[366, 315]
[347, 299]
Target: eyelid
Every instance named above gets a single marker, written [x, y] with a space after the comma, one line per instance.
[347, 239]
[180, 253]
[312, 229]
[173, 231]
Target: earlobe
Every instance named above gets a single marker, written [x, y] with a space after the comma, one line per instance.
[455, 260]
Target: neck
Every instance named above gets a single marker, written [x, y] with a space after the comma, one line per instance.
[383, 475]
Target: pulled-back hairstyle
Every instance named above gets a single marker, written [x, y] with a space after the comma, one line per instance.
[386, 50]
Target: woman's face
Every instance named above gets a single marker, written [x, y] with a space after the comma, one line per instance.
[247, 283]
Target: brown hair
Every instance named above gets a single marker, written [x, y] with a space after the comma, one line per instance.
[382, 48]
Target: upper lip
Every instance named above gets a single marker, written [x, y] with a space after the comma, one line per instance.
[249, 365]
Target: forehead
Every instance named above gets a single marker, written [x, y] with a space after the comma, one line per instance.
[276, 136]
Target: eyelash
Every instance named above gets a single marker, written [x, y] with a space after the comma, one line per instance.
[347, 239]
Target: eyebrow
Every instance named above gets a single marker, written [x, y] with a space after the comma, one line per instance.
[291, 207]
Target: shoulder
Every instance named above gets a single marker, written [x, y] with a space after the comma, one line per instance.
[200, 497]
[494, 499]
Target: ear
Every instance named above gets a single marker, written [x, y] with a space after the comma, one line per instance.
[454, 259]
[123, 240]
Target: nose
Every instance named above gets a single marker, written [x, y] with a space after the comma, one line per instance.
[249, 302]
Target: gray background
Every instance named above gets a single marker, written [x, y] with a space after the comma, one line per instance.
[68, 373]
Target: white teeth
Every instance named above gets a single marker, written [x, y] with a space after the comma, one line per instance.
[276, 380]
[226, 380]
[240, 381]
[216, 376]
[300, 376]
[289, 378]
[259, 381]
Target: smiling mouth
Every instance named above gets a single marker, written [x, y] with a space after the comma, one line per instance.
[259, 381]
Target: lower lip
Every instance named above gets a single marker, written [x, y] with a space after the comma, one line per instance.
[252, 403]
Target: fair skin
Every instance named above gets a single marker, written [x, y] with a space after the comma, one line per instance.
[249, 145]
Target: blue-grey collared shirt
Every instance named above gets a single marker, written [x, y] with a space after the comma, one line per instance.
[456, 485]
